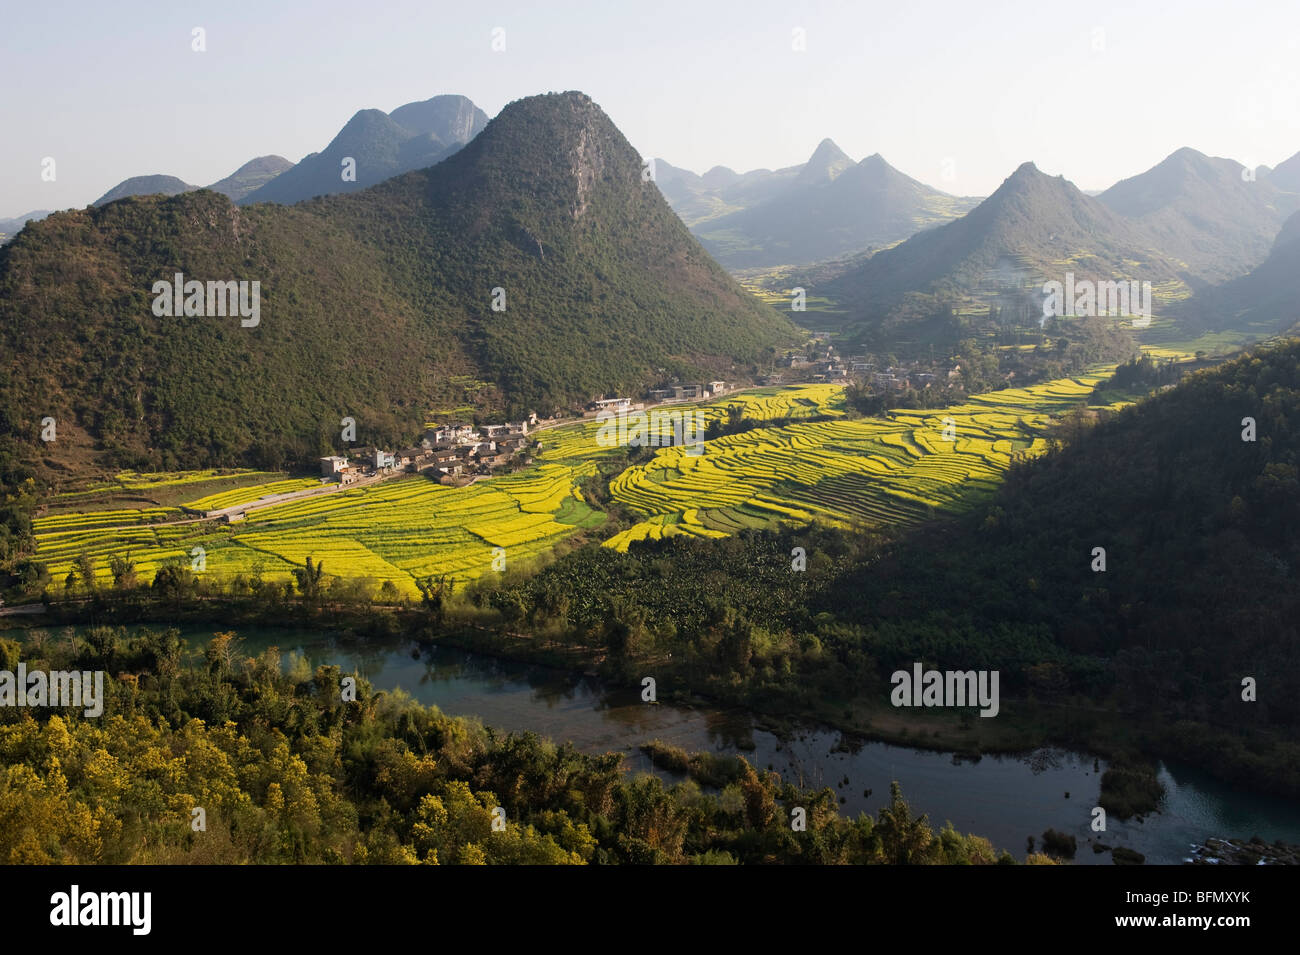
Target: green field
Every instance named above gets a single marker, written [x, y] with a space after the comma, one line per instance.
[830, 468]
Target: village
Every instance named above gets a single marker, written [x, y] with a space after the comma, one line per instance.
[673, 394]
[459, 453]
[455, 453]
[821, 364]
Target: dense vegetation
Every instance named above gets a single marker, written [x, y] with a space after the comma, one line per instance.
[1141, 375]
[1199, 528]
[1200, 532]
[287, 769]
[15, 519]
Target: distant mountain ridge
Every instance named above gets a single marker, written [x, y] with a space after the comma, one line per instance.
[380, 146]
[826, 208]
[1265, 301]
[155, 185]
[11, 227]
[1033, 224]
[1286, 174]
[1211, 214]
[824, 165]
[250, 176]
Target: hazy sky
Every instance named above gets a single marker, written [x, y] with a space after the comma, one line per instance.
[1096, 91]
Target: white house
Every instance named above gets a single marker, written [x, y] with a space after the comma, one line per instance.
[333, 466]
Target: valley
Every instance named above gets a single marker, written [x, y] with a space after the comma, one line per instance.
[477, 486]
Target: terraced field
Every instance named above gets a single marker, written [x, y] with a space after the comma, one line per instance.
[246, 495]
[578, 441]
[891, 471]
[136, 481]
[827, 468]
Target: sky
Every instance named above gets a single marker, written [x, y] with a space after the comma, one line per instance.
[953, 93]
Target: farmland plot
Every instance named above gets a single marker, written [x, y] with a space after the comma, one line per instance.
[896, 470]
[396, 531]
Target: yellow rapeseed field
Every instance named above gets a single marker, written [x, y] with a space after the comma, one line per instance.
[893, 470]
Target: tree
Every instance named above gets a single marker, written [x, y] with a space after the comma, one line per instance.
[904, 839]
[123, 571]
[311, 582]
[175, 581]
[434, 593]
[221, 652]
[83, 572]
[33, 577]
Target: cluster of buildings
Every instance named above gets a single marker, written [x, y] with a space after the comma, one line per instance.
[696, 391]
[899, 379]
[689, 392]
[449, 452]
[826, 366]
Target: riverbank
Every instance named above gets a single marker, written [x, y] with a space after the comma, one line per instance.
[1022, 726]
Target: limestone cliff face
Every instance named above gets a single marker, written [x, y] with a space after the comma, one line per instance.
[589, 153]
